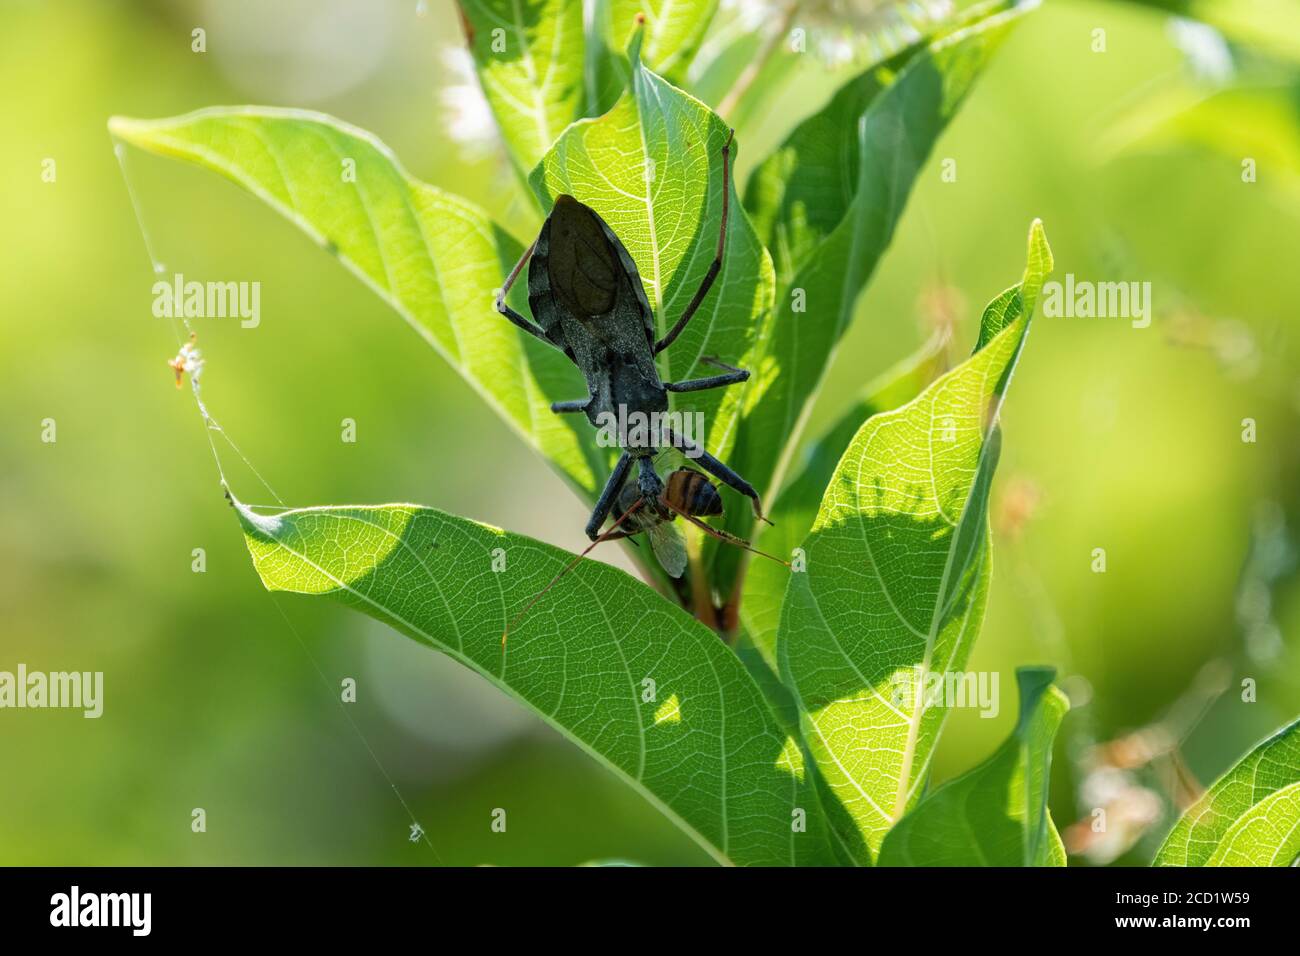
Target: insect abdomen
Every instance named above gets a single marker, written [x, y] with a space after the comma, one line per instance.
[693, 493]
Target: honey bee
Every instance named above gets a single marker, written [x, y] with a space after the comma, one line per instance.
[687, 492]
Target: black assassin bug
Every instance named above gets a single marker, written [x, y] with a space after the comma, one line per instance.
[587, 301]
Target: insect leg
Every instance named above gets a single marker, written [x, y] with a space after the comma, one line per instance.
[510, 313]
[734, 376]
[609, 535]
[726, 536]
[649, 482]
[718, 470]
[577, 405]
[716, 265]
[606, 500]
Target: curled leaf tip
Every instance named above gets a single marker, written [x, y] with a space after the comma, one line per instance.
[127, 129]
[124, 125]
[1039, 249]
[635, 39]
[252, 522]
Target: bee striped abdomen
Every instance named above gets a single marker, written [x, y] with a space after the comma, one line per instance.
[693, 493]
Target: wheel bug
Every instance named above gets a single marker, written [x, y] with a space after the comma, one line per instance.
[687, 493]
[587, 301]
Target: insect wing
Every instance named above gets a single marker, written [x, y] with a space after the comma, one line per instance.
[668, 547]
[583, 268]
[633, 280]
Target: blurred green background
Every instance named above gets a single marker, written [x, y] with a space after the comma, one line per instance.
[1121, 438]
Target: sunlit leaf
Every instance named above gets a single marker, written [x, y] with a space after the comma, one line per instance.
[435, 258]
[635, 682]
[897, 577]
[673, 31]
[753, 55]
[995, 814]
[529, 56]
[826, 204]
[794, 511]
[1268, 834]
[1250, 817]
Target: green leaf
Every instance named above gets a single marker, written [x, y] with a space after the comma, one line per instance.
[1268, 834]
[897, 577]
[436, 259]
[1250, 817]
[652, 167]
[792, 515]
[699, 741]
[826, 204]
[746, 69]
[995, 814]
[673, 31]
[529, 55]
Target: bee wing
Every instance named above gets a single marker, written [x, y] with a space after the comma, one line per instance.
[668, 547]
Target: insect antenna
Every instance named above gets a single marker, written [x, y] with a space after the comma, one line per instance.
[613, 532]
[724, 535]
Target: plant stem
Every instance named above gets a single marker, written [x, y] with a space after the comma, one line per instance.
[756, 65]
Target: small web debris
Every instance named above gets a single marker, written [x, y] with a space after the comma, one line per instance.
[189, 360]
